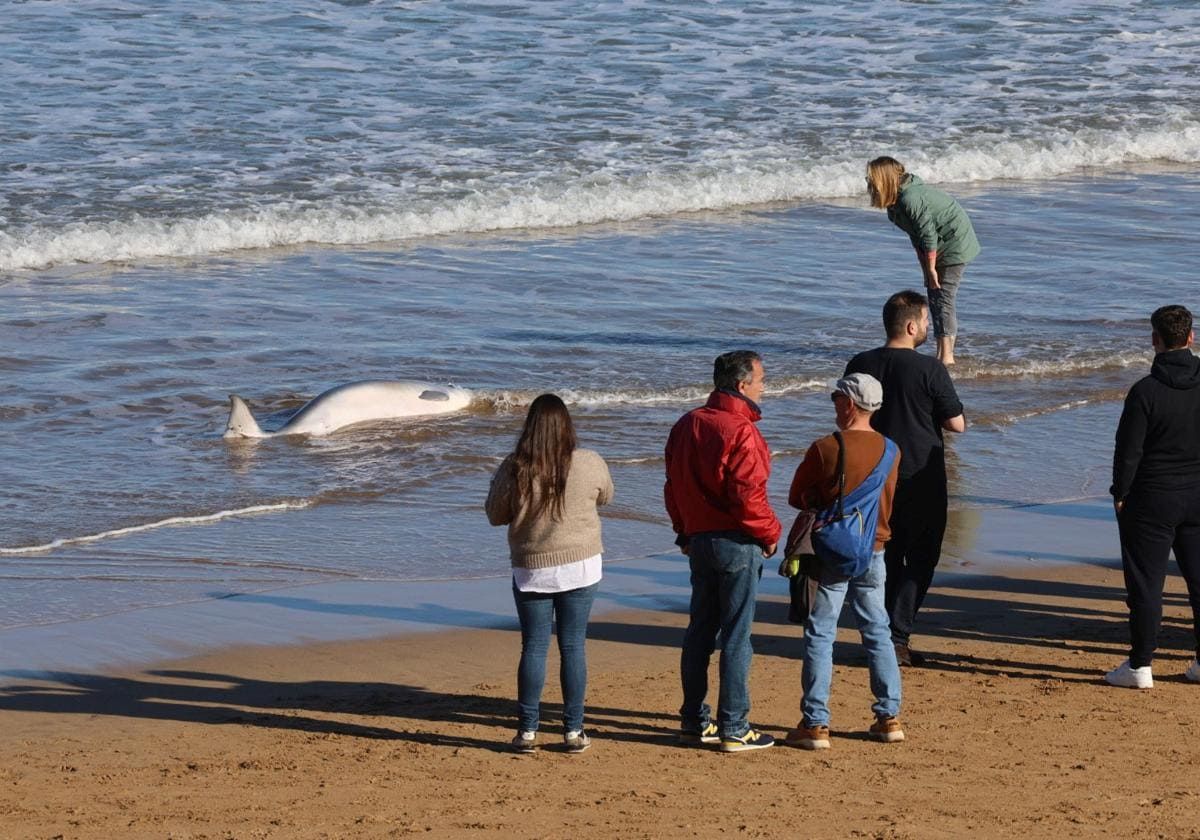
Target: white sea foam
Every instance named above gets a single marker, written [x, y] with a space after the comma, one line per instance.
[150, 526]
[1073, 365]
[1008, 419]
[518, 399]
[719, 180]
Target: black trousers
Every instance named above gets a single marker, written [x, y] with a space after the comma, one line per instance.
[918, 524]
[1151, 526]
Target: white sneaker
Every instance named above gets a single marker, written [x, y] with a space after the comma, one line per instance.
[525, 742]
[1193, 671]
[1126, 676]
[577, 741]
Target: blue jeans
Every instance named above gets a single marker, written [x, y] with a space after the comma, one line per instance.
[537, 611]
[726, 567]
[866, 598]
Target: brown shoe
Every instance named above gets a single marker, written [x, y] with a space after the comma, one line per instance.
[907, 657]
[808, 737]
[887, 730]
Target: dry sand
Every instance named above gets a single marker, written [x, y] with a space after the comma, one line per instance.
[1010, 733]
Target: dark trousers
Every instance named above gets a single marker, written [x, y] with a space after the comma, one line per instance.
[1151, 526]
[918, 525]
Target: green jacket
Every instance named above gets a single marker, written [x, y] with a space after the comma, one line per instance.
[934, 222]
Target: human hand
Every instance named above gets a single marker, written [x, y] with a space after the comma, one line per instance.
[1118, 505]
[931, 280]
[769, 550]
[683, 549]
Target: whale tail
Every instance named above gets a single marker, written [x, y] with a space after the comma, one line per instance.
[241, 422]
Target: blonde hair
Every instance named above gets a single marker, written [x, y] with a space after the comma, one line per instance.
[884, 175]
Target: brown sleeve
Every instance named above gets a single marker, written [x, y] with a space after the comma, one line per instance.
[883, 528]
[808, 475]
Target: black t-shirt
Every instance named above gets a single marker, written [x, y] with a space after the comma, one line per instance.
[918, 396]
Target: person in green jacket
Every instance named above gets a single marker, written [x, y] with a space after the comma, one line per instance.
[940, 232]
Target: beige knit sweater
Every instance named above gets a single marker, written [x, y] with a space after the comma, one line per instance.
[543, 542]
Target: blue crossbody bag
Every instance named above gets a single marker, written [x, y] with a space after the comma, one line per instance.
[844, 536]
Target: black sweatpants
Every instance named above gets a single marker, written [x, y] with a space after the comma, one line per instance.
[1151, 526]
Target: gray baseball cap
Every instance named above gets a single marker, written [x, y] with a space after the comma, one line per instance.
[863, 390]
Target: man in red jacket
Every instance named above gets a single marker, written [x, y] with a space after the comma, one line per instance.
[716, 494]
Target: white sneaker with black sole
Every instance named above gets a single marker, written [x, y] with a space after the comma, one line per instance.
[1193, 671]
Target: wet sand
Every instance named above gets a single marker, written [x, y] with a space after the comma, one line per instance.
[1010, 729]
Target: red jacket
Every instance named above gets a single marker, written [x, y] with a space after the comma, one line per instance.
[717, 469]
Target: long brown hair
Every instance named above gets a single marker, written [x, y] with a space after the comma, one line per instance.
[542, 458]
[884, 175]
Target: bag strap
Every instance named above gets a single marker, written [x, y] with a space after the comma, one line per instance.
[841, 473]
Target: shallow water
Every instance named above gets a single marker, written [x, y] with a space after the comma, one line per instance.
[115, 405]
[133, 300]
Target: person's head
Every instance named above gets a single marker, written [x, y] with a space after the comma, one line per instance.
[884, 175]
[740, 371]
[855, 398]
[1172, 328]
[906, 318]
[542, 458]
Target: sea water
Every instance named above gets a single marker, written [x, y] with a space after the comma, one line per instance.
[270, 199]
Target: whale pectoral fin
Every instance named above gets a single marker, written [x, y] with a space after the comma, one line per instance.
[434, 396]
[241, 421]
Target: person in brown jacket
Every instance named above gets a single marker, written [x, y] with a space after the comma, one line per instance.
[815, 486]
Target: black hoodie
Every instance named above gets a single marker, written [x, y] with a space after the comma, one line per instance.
[1158, 438]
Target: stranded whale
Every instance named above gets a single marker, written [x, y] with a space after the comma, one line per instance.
[355, 402]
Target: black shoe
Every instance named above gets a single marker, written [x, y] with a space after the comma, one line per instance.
[706, 734]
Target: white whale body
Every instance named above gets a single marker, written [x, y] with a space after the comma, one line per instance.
[355, 402]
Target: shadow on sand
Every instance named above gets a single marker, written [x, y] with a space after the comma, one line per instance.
[325, 707]
[1049, 619]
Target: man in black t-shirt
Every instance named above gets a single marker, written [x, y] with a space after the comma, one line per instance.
[919, 403]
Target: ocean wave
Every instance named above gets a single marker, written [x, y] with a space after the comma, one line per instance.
[1064, 366]
[715, 181]
[150, 526]
[971, 369]
[1012, 417]
[510, 400]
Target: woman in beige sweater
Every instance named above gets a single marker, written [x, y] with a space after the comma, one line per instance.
[547, 492]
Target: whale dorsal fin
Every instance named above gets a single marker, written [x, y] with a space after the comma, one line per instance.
[241, 421]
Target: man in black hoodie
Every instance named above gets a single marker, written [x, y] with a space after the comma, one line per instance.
[1156, 490]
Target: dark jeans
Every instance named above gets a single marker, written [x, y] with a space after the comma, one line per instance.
[537, 612]
[1151, 526]
[726, 567]
[918, 526]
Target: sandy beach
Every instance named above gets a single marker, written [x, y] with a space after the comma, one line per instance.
[1010, 730]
